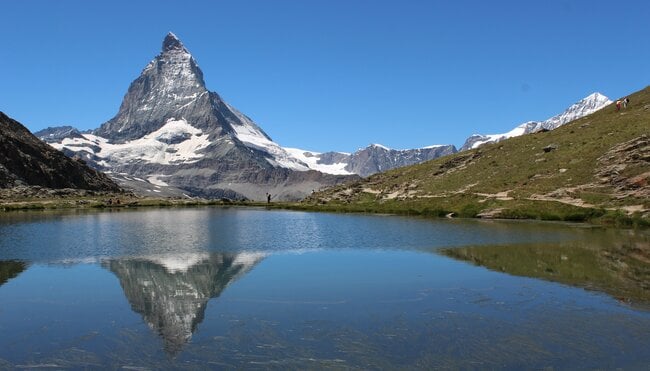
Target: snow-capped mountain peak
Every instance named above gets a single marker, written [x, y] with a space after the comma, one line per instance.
[380, 146]
[587, 105]
[591, 103]
[171, 85]
[172, 130]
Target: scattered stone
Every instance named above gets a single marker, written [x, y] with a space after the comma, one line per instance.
[635, 153]
[550, 147]
[490, 213]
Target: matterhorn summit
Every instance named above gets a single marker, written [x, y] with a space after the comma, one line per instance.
[171, 134]
[172, 42]
[171, 86]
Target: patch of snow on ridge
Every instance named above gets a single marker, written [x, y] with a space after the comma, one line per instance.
[153, 148]
[252, 136]
[380, 146]
[312, 158]
[155, 180]
[248, 259]
[178, 262]
[582, 108]
[519, 130]
[183, 261]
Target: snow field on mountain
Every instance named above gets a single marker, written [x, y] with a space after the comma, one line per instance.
[519, 130]
[155, 180]
[253, 137]
[311, 159]
[151, 148]
[584, 107]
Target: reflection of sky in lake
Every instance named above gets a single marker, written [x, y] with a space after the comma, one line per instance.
[87, 236]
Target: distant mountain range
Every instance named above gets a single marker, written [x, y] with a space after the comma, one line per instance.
[370, 160]
[377, 158]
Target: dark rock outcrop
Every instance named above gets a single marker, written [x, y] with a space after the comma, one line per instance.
[26, 160]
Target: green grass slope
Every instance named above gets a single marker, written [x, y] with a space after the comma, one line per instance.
[597, 167]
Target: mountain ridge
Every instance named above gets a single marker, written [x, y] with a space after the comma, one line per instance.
[591, 103]
[370, 160]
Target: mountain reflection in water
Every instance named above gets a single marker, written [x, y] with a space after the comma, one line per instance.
[171, 291]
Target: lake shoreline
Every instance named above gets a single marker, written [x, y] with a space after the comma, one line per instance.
[45, 199]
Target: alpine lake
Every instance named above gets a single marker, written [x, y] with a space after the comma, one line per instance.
[250, 288]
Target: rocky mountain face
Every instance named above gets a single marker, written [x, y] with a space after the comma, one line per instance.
[170, 88]
[58, 133]
[375, 158]
[26, 160]
[172, 292]
[584, 107]
[370, 160]
[171, 131]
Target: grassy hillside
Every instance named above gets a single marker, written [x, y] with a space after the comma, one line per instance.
[597, 167]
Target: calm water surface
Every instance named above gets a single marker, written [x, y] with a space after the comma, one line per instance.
[248, 288]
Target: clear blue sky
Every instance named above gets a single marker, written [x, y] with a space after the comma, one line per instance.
[331, 74]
